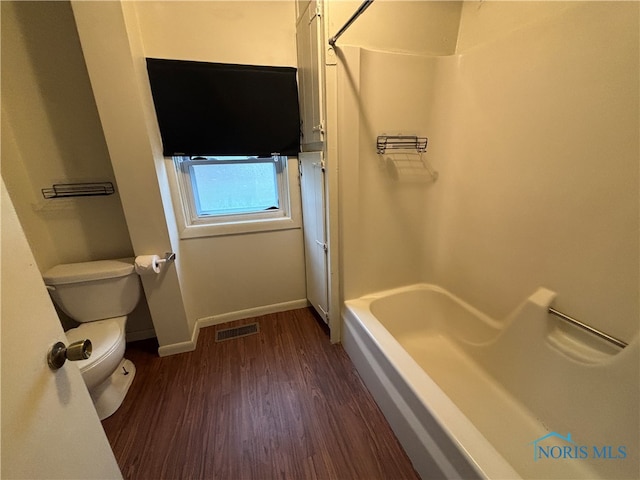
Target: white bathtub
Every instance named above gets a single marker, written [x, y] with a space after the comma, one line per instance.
[470, 397]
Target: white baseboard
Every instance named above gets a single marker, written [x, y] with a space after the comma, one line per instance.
[204, 322]
[251, 312]
[182, 347]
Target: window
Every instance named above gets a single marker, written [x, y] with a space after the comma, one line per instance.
[223, 194]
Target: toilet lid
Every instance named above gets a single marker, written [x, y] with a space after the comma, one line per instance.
[104, 335]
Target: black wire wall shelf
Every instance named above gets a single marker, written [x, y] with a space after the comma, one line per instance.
[401, 142]
[65, 190]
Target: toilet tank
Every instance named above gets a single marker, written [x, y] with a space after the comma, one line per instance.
[89, 291]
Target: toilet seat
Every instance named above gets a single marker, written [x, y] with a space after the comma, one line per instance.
[108, 344]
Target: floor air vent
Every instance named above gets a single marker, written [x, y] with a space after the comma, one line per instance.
[235, 332]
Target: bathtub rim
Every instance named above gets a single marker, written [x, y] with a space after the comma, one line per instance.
[471, 443]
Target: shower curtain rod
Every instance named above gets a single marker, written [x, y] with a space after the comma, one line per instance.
[366, 4]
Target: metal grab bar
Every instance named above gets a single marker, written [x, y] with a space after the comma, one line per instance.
[366, 4]
[586, 327]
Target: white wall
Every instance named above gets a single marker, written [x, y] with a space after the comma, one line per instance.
[533, 127]
[51, 133]
[228, 274]
[214, 278]
[47, 96]
[485, 21]
[425, 27]
[246, 32]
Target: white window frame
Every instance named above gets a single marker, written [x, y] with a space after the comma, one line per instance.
[287, 216]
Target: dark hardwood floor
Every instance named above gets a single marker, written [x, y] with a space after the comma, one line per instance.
[283, 403]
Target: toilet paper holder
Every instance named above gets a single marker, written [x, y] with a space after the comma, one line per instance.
[152, 264]
[168, 257]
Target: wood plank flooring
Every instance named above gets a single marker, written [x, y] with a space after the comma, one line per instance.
[283, 403]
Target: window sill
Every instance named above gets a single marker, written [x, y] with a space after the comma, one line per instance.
[239, 228]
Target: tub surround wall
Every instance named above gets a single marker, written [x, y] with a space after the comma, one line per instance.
[540, 186]
[382, 221]
[537, 149]
[382, 226]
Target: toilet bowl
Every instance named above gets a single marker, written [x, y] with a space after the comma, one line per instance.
[99, 295]
[107, 374]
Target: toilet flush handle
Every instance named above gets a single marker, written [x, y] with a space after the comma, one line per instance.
[59, 353]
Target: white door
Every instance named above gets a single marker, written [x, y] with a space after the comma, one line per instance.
[312, 186]
[49, 426]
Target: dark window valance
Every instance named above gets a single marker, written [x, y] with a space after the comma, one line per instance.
[225, 109]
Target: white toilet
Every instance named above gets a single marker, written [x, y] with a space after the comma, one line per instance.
[99, 295]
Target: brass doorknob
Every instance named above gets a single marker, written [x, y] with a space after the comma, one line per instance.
[59, 353]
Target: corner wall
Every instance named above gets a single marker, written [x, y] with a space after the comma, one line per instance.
[51, 134]
[113, 60]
